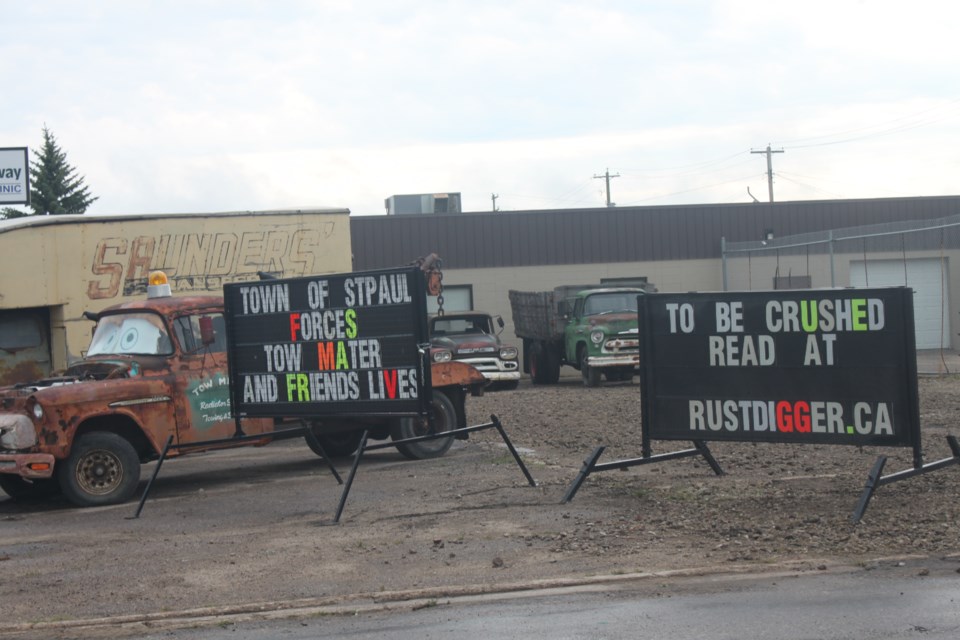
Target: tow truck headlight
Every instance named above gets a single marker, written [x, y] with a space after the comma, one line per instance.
[442, 355]
[17, 432]
[508, 353]
[37, 411]
[596, 337]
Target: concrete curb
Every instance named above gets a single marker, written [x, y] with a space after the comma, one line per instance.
[412, 599]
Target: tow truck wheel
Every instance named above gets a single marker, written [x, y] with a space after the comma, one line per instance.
[444, 419]
[103, 468]
[26, 490]
[336, 445]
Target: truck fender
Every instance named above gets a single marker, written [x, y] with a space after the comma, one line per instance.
[445, 374]
[454, 379]
[123, 425]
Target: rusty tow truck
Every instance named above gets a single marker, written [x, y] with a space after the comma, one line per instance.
[156, 369]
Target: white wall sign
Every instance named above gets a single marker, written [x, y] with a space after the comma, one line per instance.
[14, 176]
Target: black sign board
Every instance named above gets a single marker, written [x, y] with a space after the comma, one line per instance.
[831, 366]
[344, 344]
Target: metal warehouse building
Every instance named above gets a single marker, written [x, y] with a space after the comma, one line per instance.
[838, 243]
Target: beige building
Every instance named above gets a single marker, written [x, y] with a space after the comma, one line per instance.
[57, 267]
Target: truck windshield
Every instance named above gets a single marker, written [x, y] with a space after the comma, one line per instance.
[131, 333]
[454, 325]
[610, 303]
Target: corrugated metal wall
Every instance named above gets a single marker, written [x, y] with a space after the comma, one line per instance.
[619, 234]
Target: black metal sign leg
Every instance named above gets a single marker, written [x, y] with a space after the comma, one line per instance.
[353, 473]
[873, 481]
[516, 456]
[156, 471]
[708, 456]
[585, 470]
[954, 446]
[315, 443]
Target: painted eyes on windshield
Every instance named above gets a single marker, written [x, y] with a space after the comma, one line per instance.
[129, 339]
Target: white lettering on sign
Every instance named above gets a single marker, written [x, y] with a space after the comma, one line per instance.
[729, 317]
[260, 388]
[680, 315]
[283, 357]
[741, 351]
[813, 355]
[364, 291]
[318, 293]
[265, 298]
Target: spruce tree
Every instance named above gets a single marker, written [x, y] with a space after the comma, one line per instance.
[55, 187]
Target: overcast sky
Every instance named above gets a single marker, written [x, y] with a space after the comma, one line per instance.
[241, 105]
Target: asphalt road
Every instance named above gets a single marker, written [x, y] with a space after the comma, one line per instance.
[890, 600]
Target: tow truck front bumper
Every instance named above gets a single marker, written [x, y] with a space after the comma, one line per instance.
[27, 465]
[494, 369]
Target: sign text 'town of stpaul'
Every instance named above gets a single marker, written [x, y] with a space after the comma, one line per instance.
[328, 345]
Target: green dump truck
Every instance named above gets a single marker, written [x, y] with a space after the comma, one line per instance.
[592, 328]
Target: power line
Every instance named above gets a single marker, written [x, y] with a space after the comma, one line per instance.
[682, 170]
[889, 127]
[678, 193]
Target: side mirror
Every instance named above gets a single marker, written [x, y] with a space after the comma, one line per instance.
[207, 335]
[500, 322]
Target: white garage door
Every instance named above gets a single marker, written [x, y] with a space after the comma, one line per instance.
[930, 299]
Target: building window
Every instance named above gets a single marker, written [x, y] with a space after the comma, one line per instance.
[19, 332]
[458, 297]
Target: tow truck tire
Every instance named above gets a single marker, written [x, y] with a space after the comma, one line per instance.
[336, 445]
[24, 490]
[102, 469]
[445, 419]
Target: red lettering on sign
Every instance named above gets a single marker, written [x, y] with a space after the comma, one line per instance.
[294, 326]
[801, 416]
[390, 381]
[784, 417]
[793, 417]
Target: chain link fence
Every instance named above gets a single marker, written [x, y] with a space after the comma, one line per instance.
[919, 254]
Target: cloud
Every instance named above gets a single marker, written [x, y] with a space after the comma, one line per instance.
[212, 105]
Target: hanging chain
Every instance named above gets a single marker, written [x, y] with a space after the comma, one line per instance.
[440, 293]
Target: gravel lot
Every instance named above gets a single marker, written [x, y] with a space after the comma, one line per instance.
[246, 526]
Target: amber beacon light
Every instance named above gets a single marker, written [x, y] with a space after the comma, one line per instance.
[158, 286]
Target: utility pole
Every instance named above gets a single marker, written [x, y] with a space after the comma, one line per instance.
[607, 176]
[493, 199]
[769, 153]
